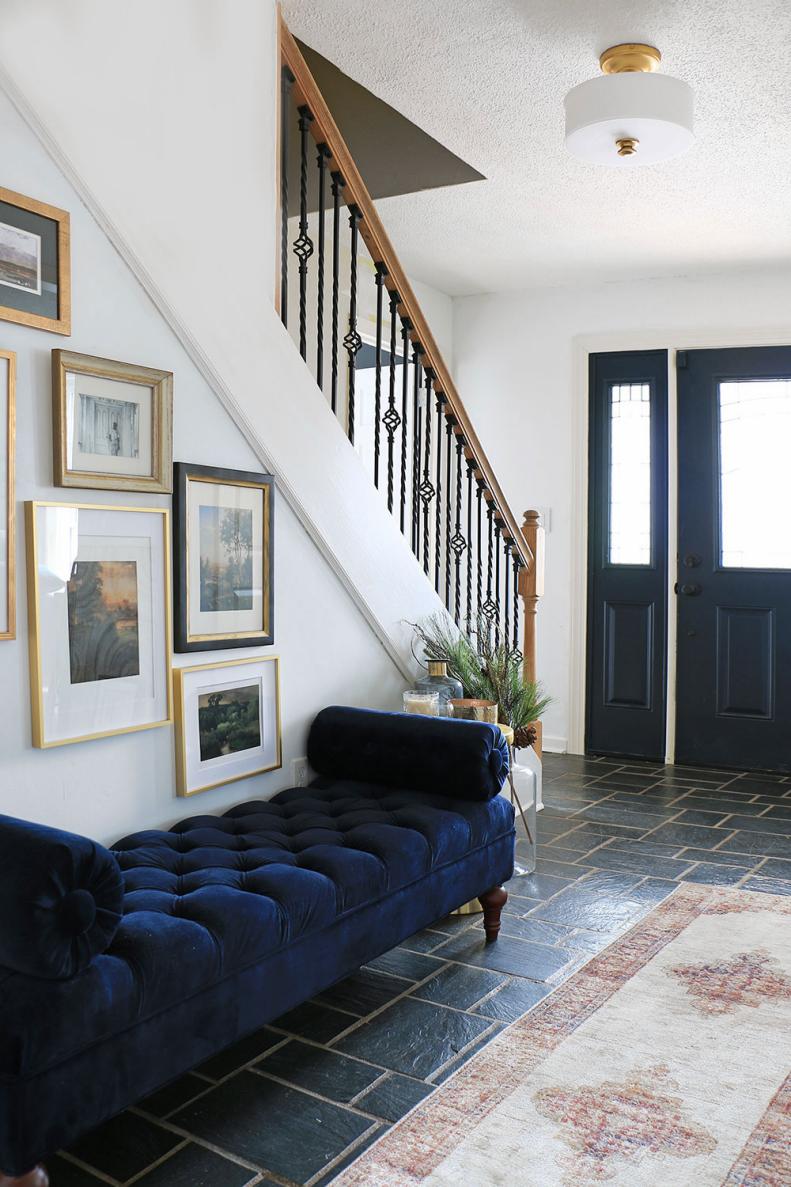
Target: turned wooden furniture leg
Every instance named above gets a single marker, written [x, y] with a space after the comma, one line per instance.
[38, 1177]
[492, 902]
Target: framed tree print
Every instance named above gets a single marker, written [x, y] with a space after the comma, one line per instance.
[227, 722]
[7, 504]
[223, 558]
[99, 620]
[35, 269]
[112, 424]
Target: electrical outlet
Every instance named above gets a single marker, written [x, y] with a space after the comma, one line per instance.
[299, 772]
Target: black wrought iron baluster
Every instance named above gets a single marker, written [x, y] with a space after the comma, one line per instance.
[470, 473]
[322, 157]
[438, 506]
[496, 599]
[406, 326]
[286, 83]
[391, 419]
[381, 272]
[417, 370]
[517, 563]
[426, 487]
[507, 594]
[337, 185]
[458, 543]
[450, 424]
[479, 556]
[489, 608]
[352, 340]
[303, 244]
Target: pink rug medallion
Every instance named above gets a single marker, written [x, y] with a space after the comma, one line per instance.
[665, 1060]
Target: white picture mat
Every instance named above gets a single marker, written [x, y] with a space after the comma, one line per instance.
[68, 534]
[139, 394]
[226, 767]
[11, 236]
[5, 395]
[224, 622]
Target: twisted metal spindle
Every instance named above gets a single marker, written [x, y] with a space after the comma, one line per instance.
[458, 543]
[381, 272]
[303, 244]
[450, 424]
[286, 83]
[497, 531]
[479, 555]
[489, 608]
[406, 326]
[438, 505]
[337, 185]
[470, 473]
[417, 368]
[321, 159]
[517, 563]
[426, 487]
[352, 340]
[507, 594]
[391, 419]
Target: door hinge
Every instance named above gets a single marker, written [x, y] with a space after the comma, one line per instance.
[681, 359]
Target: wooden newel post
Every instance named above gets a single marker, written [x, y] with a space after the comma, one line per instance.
[531, 588]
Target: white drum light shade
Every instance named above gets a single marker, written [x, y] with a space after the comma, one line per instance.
[653, 110]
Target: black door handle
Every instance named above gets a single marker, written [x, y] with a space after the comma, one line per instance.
[688, 590]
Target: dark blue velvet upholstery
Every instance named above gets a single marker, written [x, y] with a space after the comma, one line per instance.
[228, 922]
[61, 899]
[466, 760]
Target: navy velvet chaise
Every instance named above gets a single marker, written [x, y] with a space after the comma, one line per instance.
[121, 970]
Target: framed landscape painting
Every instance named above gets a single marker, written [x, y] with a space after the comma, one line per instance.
[99, 613]
[223, 558]
[227, 722]
[7, 503]
[112, 424]
[35, 271]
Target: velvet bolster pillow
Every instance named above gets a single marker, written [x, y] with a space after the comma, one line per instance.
[464, 760]
[61, 899]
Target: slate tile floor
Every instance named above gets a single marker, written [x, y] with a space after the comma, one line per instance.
[301, 1099]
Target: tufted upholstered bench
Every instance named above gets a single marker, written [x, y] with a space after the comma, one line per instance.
[123, 970]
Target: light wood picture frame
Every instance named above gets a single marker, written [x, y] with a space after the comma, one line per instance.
[228, 722]
[112, 424]
[99, 625]
[35, 263]
[7, 495]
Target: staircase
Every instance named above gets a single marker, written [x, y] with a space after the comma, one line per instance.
[352, 312]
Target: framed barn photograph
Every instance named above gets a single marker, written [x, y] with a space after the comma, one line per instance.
[223, 558]
[227, 722]
[112, 424]
[7, 500]
[99, 613]
[35, 270]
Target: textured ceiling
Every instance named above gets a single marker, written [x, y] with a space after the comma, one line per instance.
[487, 79]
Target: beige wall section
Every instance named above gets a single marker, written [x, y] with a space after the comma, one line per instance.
[328, 653]
[519, 362]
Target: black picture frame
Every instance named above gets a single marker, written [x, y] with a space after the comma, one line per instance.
[184, 639]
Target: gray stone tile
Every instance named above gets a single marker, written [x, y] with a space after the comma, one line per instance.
[413, 966]
[758, 784]
[776, 868]
[447, 1071]
[768, 885]
[718, 857]
[520, 958]
[779, 812]
[761, 824]
[237, 1055]
[636, 863]
[173, 1095]
[715, 875]
[124, 1146]
[394, 1096]
[717, 804]
[413, 1037]
[560, 869]
[513, 1000]
[423, 941]
[314, 1020]
[195, 1166]
[459, 986]
[695, 816]
[613, 814]
[766, 843]
[319, 1070]
[63, 1173]
[648, 848]
[538, 886]
[536, 930]
[690, 836]
[652, 890]
[598, 913]
[366, 990]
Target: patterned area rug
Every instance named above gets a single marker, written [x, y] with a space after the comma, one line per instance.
[665, 1060]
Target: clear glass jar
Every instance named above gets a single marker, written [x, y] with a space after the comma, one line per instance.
[438, 680]
[421, 700]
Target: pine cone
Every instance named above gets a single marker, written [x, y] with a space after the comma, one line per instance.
[525, 736]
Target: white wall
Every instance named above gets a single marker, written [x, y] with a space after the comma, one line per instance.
[519, 364]
[109, 787]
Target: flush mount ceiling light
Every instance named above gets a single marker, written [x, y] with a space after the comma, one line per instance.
[630, 115]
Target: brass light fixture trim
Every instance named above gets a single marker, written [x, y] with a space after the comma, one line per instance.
[627, 146]
[630, 58]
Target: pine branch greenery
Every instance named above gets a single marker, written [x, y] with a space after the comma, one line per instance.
[488, 670]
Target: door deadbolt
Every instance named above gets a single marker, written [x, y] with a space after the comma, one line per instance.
[691, 561]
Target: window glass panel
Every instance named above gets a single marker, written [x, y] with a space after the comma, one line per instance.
[630, 474]
[755, 474]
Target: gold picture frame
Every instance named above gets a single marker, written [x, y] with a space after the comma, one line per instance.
[146, 429]
[48, 230]
[8, 513]
[58, 571]
[185, 696]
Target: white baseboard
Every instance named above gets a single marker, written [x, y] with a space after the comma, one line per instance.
[554, 745]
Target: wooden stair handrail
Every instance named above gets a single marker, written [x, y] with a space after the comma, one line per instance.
[325, 130]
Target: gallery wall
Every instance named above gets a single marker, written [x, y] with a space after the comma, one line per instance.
[519, 362]
[112, 786]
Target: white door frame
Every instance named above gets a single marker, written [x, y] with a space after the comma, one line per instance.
[585, 345]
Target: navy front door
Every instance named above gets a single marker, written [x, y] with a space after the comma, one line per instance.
[627, 555]
[733, 687]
